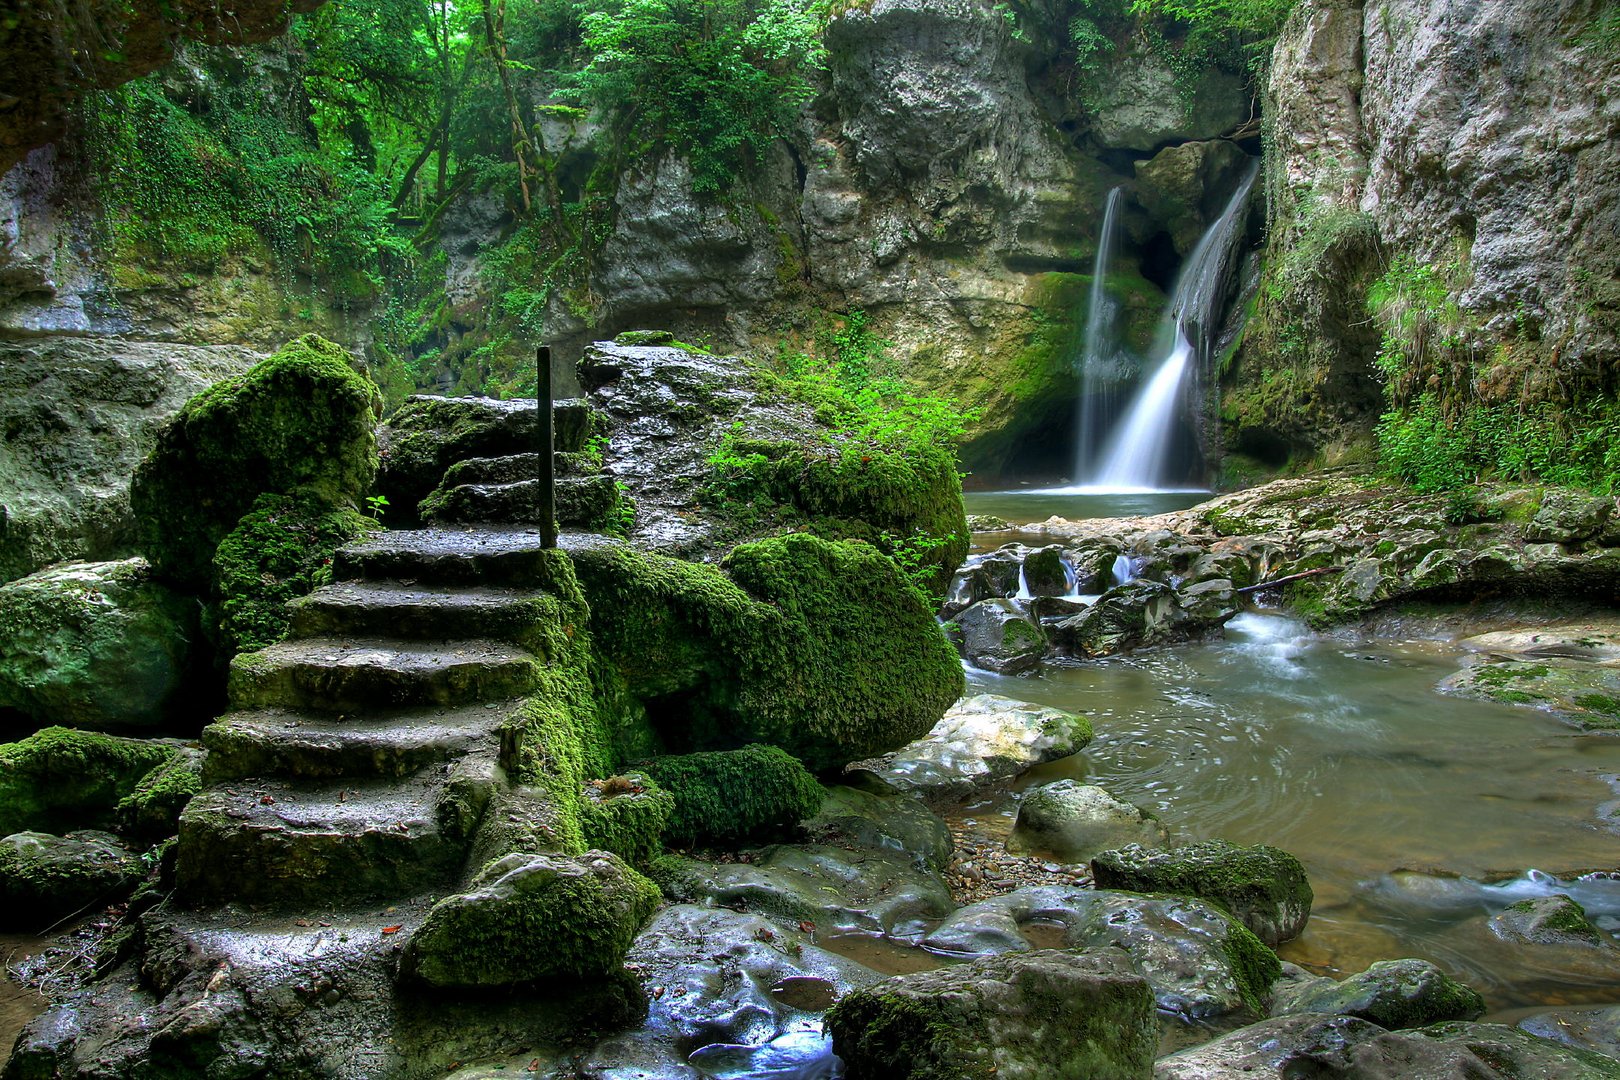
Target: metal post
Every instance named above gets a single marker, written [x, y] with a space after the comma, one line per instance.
[546, 502]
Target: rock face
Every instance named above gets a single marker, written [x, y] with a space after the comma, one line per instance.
[1031, 1016]
[1388, 124]
[79, 415]
[1265, 888]
[100, 646]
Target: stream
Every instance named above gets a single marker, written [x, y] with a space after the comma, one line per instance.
[1416, 814]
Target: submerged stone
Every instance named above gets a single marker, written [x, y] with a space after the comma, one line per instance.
[1265, 888]
[1392, 994]
[1038, 1016]
[1075, 821]
[530, 918]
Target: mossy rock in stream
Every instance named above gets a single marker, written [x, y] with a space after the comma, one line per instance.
[302, 420]
[820, 647]
[1263, 887]
[729, 795]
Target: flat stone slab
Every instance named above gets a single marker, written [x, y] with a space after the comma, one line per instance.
[408, 610]
[464, 555]
[361, 675]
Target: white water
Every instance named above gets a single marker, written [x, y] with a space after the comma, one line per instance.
[1098, 340]
[1134, 458]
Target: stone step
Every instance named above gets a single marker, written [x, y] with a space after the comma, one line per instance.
[447, 556]
[282, 742]
[487, 426]
[281, 842]
[413, 611]
[337, 675]
[513, 468]
[588, 501]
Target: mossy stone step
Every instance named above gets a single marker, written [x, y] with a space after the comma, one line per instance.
[512, 468]
[446, 556]
[280, 842]
[361, 675]
[417, 612]
[282, 742]
[588, 501]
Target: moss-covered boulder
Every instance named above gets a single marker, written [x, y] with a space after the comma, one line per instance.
[627, 815]
[44, 878]
[820, 647]
[1034, 1016]
[59, 779]
[280, 550]
[301, 419]
[1001, 636]
[1546, 920]
[532, 918]
[151, 811]
[1392, 994]
[97, 645]
[1265, 888]
[724, 796]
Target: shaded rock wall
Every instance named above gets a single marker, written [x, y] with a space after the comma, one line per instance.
[1481, 135]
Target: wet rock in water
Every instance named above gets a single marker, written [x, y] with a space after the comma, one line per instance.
[1036, 1016]
[1075, 821]
[1045, 572]
[1265, 888]
[529, 918]
[865, 891]
[1597, 1030]
[1000, 570]
[1585, 693]
[999, 635]
[1546, 920]
[1392, 994]
[98, 645]
[710, 974]
[1143, 613]
[968, 586]
[980, 741]
[894, 821]
[1200, 962]
[982, 523]
[44, 878]
[1348, 1048]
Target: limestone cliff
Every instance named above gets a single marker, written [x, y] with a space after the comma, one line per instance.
[1479, 140]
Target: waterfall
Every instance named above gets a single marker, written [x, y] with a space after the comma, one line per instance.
[1134, 458]
[1099, 341]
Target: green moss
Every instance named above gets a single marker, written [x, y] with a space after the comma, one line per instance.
[1502, 674]
[729, 795]
[58, 779]
[1602, 703]
[1567, 918]
[627, 815]
[821, 648]
[280, 550]
[300, 420]
[152, 810]
[1254, 966]
[900, 1035]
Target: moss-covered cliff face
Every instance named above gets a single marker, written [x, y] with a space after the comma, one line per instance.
[1444, 219]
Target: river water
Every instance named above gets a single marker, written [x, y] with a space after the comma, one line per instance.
[1416, 814]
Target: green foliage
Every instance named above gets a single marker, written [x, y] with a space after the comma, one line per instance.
[726, 796]
[716, 80]
[281, 549]
[1234, 34]
[1423, 324]
[301, 419]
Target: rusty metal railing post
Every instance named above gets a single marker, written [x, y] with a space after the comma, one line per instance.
[546, 500]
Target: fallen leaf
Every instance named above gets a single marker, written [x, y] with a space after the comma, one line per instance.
[391, 929]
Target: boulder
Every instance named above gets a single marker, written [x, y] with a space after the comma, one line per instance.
[44, 878]
[99, 645]
[892, 821]
[1200, 962]
[721, 796]
[1000, 636]
[1045, 572]
[1597, 1030]
[58, 779]
[627, 815]
[980, 741]
[532, 918]
[1392, 994]
[864, 891]
[1568, 517]
[1075, 821]
[1353, 1049]
[299, 420]
[1037, 1016]
[1143, 613]
[1546, 920]
[1264, 888]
